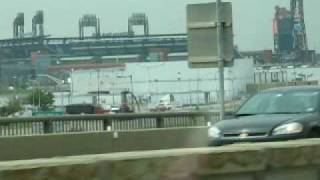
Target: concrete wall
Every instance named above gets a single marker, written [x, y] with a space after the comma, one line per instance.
[294, 160]
[46, 146]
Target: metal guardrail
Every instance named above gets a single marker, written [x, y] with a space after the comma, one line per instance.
[96, 123]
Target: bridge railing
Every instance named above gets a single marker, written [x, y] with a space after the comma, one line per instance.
[96, 123]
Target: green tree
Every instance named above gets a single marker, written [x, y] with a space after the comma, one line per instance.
[13, 106]
[46, 99]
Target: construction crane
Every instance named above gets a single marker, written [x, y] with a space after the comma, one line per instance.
[290, 38]
[299, 28]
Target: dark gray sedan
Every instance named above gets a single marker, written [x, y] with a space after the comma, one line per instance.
[273, 115]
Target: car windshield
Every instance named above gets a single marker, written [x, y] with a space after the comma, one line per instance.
[278, 103]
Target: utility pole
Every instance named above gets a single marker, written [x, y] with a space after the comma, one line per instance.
[221, 59]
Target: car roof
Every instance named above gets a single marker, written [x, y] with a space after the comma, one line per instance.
[74, 105]
[292, 89]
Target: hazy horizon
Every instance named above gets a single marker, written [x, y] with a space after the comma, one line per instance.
[252, 18]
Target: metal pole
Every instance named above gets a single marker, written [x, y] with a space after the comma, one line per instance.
[72, 87]
[98, 86]
[39, 99]
[33, 101]
[221, 58]
[62, 98]
[190, 95]
[131, 82]
[132, 94]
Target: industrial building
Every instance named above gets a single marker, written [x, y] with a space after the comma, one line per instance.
[290, 36]
[151, 81]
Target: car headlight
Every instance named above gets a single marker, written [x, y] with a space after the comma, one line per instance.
[291, 128]
[214, 132]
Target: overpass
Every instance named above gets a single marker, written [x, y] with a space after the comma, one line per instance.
[22, 48]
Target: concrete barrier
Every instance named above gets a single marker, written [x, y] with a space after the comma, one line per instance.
[99, 123]
[296, 160]
[47, 146]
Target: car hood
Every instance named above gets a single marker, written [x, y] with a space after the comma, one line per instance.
[257, 123]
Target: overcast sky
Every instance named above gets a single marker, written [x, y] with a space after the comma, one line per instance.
[252, 18]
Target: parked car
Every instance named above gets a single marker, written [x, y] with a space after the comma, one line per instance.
[162, 107]
[273, 115]
[84, 109]
[125, 108]
[114, 109]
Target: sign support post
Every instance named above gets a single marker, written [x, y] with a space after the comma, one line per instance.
[221, 60]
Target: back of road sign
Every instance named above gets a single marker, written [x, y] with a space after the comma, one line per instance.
[202, 34]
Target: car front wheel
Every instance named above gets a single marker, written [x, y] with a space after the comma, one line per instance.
[315, 133]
